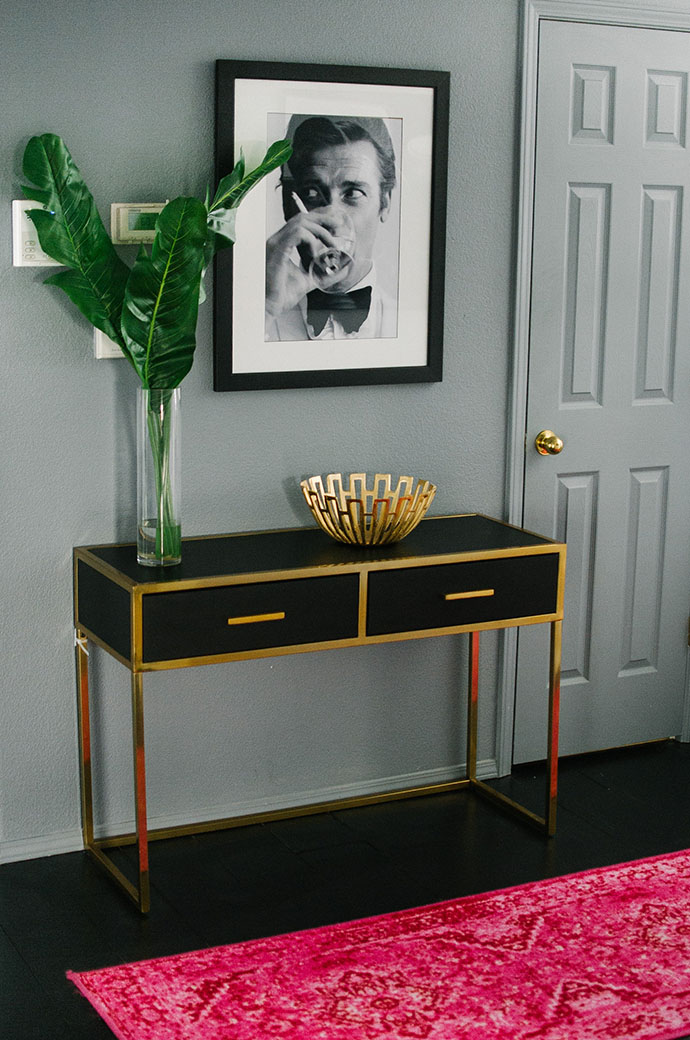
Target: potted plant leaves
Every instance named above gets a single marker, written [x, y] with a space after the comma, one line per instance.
[150, 310]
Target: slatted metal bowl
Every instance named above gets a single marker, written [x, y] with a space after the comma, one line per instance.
[351, 512]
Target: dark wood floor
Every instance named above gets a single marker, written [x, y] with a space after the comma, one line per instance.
[61, 912]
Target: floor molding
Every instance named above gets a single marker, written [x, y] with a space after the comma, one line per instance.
[44, 845]
[71, 840]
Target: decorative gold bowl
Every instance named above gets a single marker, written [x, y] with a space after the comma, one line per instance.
[360, 516]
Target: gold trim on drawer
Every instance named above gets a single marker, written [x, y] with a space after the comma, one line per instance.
[476, 594]
[249, 619]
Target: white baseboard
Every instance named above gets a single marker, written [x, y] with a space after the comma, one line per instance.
[71, 841]
[45, 845]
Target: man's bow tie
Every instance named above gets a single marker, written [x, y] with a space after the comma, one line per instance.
[350, 309]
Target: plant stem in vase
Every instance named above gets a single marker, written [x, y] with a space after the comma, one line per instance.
[158, 477]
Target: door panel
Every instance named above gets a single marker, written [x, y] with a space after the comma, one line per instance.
[609, 372]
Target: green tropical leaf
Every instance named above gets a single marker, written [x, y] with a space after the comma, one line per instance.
[221, 225]
[230, 181]
[220, 234]
[71, 231]
[235, 185]
[151, 312]
[162, 296]
[230, 192]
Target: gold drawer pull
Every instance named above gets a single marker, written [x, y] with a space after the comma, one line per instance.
[251, 618]
[469, 595]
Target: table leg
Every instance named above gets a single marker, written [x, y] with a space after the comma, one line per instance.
[140, 790]
[547, 823]
[96, 847]
[82, 653]
[472, 706]
[554, 714]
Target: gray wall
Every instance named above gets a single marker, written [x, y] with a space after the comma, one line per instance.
[129, 86]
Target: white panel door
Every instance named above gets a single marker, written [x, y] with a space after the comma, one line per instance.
[609, 373]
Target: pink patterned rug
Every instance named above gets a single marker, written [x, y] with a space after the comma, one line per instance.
[604, 954]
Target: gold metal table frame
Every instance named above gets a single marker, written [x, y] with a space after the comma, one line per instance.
[441, 565]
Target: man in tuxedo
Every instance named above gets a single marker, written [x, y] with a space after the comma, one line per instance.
[336, 192]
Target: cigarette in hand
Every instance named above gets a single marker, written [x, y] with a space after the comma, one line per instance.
[298, 202]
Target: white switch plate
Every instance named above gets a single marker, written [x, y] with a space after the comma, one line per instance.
[104, 347]
[26, 251]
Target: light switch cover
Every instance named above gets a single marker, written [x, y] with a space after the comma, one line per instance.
[26, 251]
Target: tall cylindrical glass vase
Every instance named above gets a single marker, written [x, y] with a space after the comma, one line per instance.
[158, 477]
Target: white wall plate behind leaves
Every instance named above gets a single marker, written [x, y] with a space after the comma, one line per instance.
[26, 250]
[133, 222]
[104, 347]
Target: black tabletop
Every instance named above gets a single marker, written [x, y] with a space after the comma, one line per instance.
[299, 548]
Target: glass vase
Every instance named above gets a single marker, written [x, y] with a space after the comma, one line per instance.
[159, 537]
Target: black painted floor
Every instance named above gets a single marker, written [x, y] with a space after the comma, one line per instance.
[60, 912]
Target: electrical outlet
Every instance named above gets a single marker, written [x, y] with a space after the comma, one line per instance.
[104, 347]
[26, 251]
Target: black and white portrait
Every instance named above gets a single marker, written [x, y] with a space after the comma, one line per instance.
[336, 275]
[333, 248]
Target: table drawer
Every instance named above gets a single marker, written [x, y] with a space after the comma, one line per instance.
[478, 592]
[235, 618]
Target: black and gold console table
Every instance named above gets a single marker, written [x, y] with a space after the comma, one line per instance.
[242, 596]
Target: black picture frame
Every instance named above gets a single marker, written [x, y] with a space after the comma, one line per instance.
[254, 98]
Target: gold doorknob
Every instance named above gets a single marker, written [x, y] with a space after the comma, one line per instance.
[547, 443]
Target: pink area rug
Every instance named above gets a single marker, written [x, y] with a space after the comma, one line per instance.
[604, 954]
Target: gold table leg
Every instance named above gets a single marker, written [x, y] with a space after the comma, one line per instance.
[473, 692]
[140, 894]
[140, 790]
[84, 717]
[547, 822]
[554, 717]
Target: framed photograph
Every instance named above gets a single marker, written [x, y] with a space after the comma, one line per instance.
[336, 277]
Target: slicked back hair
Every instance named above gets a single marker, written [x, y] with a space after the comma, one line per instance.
[313, 133]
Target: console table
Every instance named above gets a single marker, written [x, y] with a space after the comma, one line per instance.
[241, 596]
